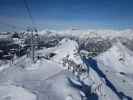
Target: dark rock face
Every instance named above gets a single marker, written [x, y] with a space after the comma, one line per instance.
[85, 89]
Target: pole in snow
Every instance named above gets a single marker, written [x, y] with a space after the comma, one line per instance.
[32, 46]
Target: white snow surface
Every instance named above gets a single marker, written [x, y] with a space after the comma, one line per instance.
[117, 60]
[67, 48]
[47, 79]
[10, 92]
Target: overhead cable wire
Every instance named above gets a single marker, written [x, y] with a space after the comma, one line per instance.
[29, 13]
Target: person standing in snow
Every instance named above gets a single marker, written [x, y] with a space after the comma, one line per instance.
[12, 58]
[28, 52]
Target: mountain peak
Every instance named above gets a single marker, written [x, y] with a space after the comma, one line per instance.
[118, 57]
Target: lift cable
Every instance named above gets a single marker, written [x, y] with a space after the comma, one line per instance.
[29, 13]
[32, 29]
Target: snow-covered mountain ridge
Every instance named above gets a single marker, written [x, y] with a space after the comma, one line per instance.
[117, 64]
[65, 72]
[104, 33]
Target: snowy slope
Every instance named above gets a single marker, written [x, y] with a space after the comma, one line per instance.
[50, 78]
[10, 92]
[45, 79]
[70, 47]
[66, 47]
[116, 64]
[119, 58]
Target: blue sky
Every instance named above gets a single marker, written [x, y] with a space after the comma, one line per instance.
[60, 14]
